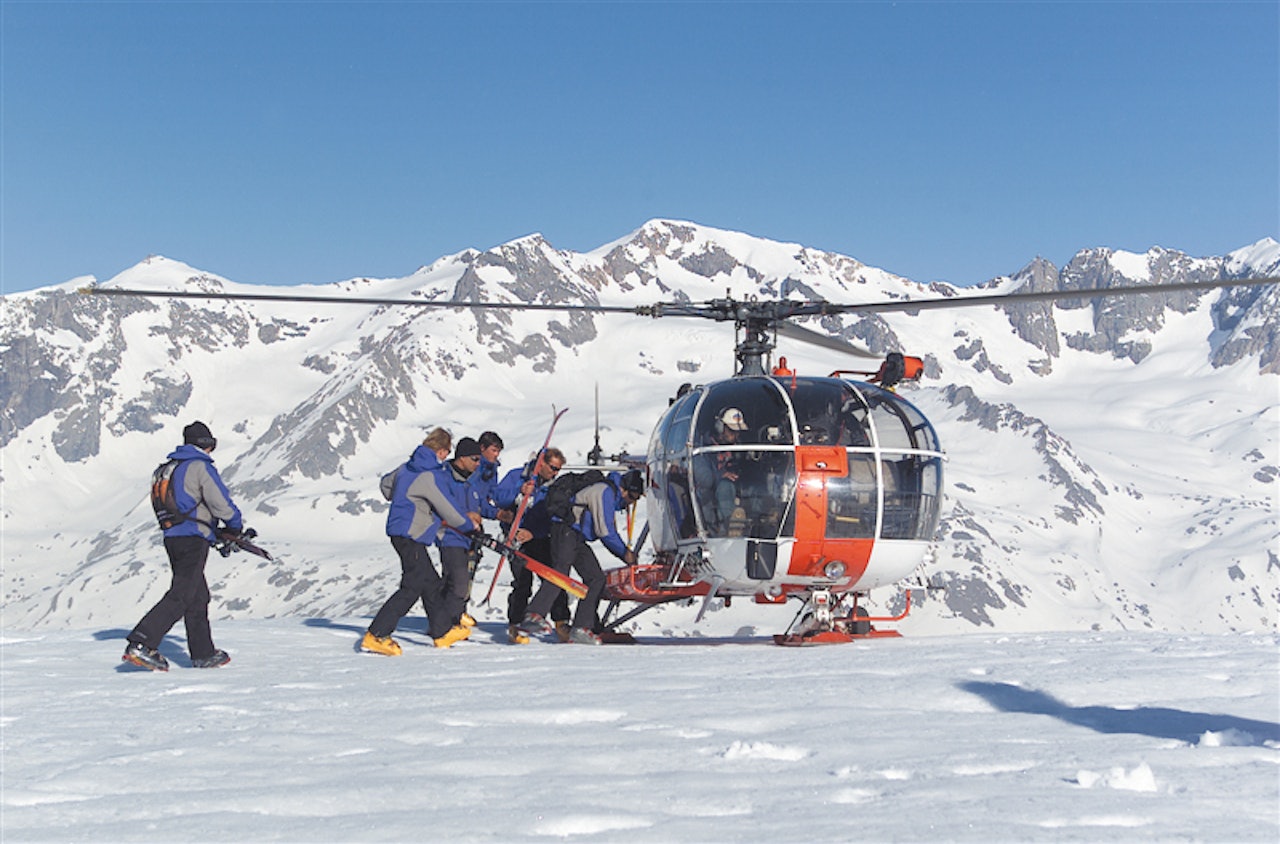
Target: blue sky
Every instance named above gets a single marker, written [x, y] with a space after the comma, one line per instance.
[302, 142]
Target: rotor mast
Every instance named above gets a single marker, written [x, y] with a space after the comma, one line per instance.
[756, 337]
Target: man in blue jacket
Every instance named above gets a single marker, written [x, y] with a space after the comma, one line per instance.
[419, 510]
[484, 480]
[594, 508]
[533, 537]
[454, 480]
[199, 500]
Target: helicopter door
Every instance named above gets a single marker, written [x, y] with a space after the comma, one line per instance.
[762, 559]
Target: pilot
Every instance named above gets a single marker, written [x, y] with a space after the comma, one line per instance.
[717, 476]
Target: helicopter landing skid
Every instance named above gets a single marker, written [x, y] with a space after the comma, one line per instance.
[830, 637]
[821, 626]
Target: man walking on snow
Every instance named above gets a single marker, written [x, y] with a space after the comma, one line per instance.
[189, 498]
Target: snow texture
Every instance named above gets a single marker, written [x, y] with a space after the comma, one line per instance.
[978, 737]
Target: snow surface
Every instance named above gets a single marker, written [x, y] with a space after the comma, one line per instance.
[981, 737]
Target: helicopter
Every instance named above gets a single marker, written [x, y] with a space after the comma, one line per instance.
[771, 486]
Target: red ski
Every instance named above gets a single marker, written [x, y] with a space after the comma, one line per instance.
[524, 503]
[575, 588]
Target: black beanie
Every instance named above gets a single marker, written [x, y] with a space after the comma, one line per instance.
[467, 447]
[198, 434]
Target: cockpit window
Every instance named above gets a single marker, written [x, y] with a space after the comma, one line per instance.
[744, 493]
[898, 424]
[675, 435]
[828, 412]
[744, 411]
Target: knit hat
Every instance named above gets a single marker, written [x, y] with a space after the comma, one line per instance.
[467, 447]
[198, 434]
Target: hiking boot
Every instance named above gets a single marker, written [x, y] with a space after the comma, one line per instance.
[534, 624]
[467, 620]
[148, 658]
[455, 635]
[562, 631]
[219, 657]
[583, 636]
[517, 636]
[384, 645]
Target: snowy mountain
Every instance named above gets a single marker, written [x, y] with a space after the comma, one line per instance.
[1114, 464]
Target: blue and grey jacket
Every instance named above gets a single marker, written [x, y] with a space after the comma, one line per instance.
[201, 495]
[418, 505]
[594, 507]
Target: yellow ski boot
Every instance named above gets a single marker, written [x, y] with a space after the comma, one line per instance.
[455, 635]
[467, 620]
[384, 645]
[517, 636]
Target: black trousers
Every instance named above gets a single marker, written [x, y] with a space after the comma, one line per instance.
[187, 599]
[418, 581]
[522, 584]
[455, 566]
[570, 550]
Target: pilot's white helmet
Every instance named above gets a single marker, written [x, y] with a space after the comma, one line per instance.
[732, 419]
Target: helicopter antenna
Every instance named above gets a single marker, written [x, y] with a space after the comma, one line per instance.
[596, 455]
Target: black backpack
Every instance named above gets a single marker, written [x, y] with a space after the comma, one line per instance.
[164, 498]
[559, 500]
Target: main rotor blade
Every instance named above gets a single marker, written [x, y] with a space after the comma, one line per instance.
[1039, 296]
[798, 332]
[726, 309]
[355, 300]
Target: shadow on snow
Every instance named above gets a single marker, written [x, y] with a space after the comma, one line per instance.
[1155, 721]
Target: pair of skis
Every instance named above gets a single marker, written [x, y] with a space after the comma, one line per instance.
[507, 549]
[229, 542]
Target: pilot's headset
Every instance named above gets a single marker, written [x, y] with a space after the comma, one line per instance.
[732, 419]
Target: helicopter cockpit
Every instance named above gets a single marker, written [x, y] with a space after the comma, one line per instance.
[725, 455]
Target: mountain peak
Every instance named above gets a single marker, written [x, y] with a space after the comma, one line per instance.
[1262, 258]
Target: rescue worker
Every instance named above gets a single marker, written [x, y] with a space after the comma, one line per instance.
[454, 480]
[594, 509]
[484, 480]
[201, 500]
[419, 510]
[533, 538]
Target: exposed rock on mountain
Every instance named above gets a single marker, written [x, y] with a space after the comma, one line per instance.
[1113, 462]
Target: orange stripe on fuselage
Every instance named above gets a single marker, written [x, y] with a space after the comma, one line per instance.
[812, 551]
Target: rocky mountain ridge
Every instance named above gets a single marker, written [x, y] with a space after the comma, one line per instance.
[1086, 404]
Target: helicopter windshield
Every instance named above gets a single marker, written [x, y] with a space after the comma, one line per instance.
[828, 412]
[725, 455]
[743, 463]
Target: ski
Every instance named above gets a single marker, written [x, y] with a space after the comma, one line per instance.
[524, 502]
[575, 588]
[228, 543]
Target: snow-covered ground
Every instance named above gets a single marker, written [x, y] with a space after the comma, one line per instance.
[981, 737]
